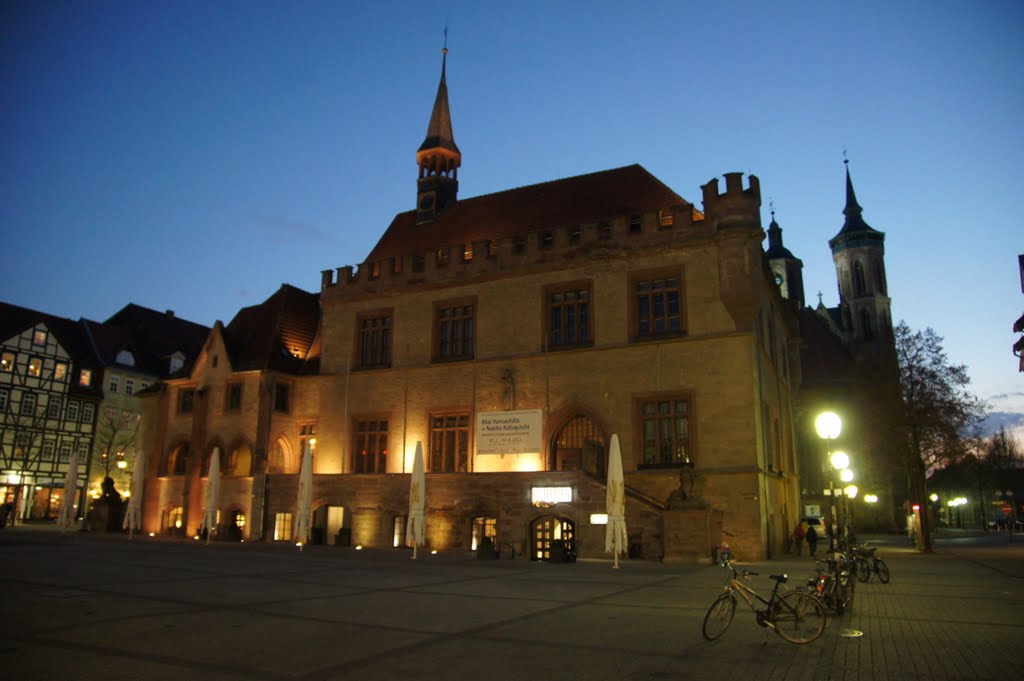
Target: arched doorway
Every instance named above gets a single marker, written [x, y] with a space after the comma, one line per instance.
[580, 445]
[235, 530]
[553, 538]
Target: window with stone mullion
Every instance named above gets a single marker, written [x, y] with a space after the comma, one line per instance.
[659, 312]
[370, 448]
[570, 318]
[666, 432]
[375, 341]
[449, 443]
[455, 332]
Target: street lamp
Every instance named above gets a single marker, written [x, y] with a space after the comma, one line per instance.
[829, 426]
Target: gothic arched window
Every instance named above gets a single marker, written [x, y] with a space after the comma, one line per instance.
[865, 324]
[859, 288]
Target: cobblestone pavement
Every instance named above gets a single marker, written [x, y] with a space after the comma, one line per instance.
[88, 607]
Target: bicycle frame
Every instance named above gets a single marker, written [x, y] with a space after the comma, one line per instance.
[796, 617]
[749, 595]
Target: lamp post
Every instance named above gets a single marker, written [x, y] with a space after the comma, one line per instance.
[829, 426]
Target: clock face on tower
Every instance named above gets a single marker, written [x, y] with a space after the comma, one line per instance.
[427, 202]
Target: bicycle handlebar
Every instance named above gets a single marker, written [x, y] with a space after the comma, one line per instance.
[742, 572]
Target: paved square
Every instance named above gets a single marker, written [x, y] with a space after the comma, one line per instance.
[95, 607]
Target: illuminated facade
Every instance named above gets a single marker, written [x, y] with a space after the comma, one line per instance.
[67, 387]
[511, 334]
[48, 403]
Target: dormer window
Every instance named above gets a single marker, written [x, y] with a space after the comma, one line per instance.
[126, 358]
[177, 361]
[85, 378]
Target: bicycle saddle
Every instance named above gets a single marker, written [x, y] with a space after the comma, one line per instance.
[781, 579]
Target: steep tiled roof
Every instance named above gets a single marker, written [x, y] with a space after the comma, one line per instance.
[279, 334]
[151, 335]
[585, 198]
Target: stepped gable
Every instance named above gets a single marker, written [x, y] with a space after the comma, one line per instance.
[155, 336]
[279, 334]
[594, 197]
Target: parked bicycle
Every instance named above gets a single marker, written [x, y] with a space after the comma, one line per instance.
[794, 615]
[833, 584]
[868, 564]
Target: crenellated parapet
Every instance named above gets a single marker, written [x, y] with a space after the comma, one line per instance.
[559, 246]
[736, 206]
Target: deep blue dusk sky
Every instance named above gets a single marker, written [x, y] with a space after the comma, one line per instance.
[195, 155]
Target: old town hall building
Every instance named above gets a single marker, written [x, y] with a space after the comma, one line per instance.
[511, 334]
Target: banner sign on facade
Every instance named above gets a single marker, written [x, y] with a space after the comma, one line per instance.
[508, 432]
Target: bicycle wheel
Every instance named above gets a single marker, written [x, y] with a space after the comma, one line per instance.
[882, 570]
[863, 569]
[719, 616]
[798, 618]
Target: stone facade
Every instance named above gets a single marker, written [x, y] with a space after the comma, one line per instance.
[511, 335]
[731, 366]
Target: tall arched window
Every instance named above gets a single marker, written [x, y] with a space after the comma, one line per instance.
[279, 457]
[859, 287]
[177, 460]
[880, 278]
[865, 325]
[239, 461]
[580, 444]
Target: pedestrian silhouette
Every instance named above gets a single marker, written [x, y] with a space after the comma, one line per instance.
[812, 540]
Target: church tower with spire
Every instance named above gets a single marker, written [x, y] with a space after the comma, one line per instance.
[438, 158]
[858, 252]
[786, 268]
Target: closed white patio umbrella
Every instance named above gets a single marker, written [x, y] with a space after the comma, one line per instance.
[615, 538]
[133, 515]
[415, 526]
[66, 516]
[212, 495]
[304, 503]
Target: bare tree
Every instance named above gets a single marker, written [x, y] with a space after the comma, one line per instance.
[1002, 452]
[941, 416]
[116, 431]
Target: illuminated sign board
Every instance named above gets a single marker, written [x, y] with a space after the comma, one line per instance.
[508, 432]
[551, 495]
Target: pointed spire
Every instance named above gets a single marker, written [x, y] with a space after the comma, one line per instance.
[855, 229]
[852, 211]
[438, 157]
[439, 153]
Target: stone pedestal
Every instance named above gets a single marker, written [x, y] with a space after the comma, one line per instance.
[690, 535]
